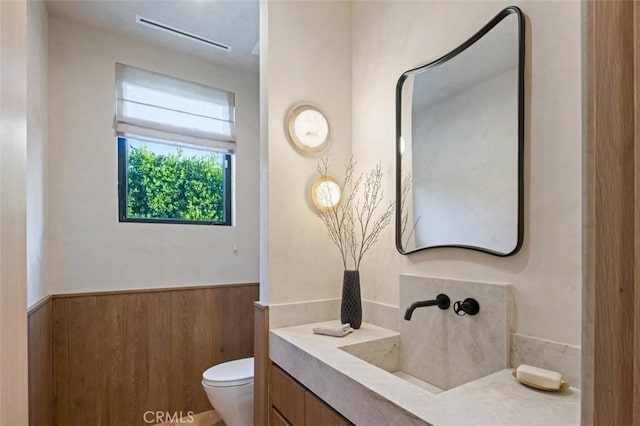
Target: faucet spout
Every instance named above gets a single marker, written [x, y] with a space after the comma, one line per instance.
[442, 301]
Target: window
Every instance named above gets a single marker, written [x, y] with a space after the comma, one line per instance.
[176, 145]
[167, 183]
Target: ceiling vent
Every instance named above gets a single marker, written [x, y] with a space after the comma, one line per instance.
[169, 29]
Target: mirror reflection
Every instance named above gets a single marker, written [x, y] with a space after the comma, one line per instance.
[459, 145]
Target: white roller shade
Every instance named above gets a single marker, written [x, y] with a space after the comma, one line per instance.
[158, 106]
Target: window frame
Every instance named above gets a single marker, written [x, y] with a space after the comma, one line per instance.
[123, 187]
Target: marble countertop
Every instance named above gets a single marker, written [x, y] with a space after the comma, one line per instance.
[368, 395]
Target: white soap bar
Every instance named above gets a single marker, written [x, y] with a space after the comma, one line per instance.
[539, 377]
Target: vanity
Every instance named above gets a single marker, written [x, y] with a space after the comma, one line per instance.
[437, 367]
[354, 376]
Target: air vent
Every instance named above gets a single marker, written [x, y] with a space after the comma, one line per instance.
[167, 28]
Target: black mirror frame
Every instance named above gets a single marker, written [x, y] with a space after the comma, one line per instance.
[521, 113]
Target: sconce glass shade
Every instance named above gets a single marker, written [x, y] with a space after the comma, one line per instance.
[325, 193]
[308, 129]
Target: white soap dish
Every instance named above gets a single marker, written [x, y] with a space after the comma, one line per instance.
[539, 378]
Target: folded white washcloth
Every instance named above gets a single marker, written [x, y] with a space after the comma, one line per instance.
[337, 330]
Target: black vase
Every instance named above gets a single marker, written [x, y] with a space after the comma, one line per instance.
[351, 308]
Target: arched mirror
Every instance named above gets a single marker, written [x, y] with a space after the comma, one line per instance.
[459, 145]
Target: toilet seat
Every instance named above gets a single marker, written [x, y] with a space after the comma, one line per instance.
[227, 374]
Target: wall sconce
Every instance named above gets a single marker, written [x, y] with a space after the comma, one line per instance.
[308, 129]
[325, 193]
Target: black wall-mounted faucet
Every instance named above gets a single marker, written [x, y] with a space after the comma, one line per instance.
[442, 301]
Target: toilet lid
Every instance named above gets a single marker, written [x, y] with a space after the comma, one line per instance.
[232, 373]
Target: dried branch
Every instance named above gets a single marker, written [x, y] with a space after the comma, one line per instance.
[404, 211]
[406, 187]
[352, 225]
[413, 229]
[372, 198]
[334, 217]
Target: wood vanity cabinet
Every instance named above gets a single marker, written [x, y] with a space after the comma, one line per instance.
[293, 405]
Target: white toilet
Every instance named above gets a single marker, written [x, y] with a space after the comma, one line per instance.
[229, 387]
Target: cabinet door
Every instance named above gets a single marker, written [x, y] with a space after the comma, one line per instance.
[277, 419]
[317, 413]
[287, 396]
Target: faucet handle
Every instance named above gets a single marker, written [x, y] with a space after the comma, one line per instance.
[469, 306]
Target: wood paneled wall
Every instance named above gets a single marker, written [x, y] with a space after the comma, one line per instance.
[40, 325]
[261, 405]
[636, 278]
[117, 355]
[611, 301]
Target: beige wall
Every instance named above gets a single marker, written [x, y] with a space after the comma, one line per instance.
[308, 59]
[13, 158]
[392, 37]
[88, 249]
[37, 48]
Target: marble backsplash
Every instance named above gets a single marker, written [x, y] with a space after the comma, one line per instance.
[560, 357]
[290, 314]
[381, 314]
[448, 350]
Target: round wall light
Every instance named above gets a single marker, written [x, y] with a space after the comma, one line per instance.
[308, 129]
[325, 193]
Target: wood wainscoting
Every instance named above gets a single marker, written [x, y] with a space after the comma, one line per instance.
[115, 356]
[261, 405]
[40, 339]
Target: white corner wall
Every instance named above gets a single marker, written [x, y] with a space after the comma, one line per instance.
[13, 203]
[392, 37]
[308, 60]
[88, 249]
[37, 57]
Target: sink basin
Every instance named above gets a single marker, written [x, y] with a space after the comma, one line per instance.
[385, 354]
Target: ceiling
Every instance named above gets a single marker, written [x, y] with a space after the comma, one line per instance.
[231, 22]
